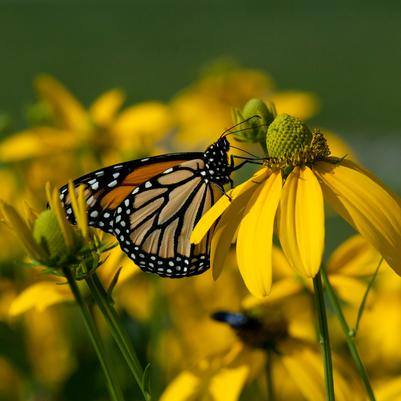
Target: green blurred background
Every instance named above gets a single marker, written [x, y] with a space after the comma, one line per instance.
[347, 53]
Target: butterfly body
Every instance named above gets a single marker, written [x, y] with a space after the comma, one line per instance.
[152, 205]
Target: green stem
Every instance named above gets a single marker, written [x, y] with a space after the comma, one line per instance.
[118, 332]
[324, 339]
[349, 336]
[269, 376]
[114, 388]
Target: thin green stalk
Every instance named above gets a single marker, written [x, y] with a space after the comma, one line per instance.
[118, 332]
[114, 388]
[365, 297]
[324, 339]
[269, 376]
[349, 336]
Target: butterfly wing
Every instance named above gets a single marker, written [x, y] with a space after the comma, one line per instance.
[106, 189]
[154, 223]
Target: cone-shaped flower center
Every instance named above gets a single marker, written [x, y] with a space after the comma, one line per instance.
[291, 143]
[287, 135]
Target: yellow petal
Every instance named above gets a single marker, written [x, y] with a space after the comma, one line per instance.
[40, 296]
[210, 217]
[366, 205]
[226, 228]
[354, 257]
[389, 390]
[105, 107]
[338, 147]
[37, 142]
[281, 290]
[301, 221]
[227, 384]
[304, 368]
[349, 289]
[68, 111]
[255, 236]
[139, 127]
[182, 388]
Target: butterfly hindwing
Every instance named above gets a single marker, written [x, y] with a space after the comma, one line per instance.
[155, 222]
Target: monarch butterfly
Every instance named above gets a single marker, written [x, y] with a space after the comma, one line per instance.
[151, 206]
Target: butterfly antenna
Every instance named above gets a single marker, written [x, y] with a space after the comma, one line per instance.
[228, 130]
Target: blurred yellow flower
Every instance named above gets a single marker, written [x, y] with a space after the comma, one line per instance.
[48, 345]
[101, 130]
[294, 361]
[204, 109]
[53, 290]
[219, 378]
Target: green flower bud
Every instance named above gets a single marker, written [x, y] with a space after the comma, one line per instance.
[287, 135]
[48, 234]
[253, 130]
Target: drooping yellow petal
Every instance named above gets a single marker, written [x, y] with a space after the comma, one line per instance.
[255, 236]
[210, 217]
[40, 296]
[354, 257]
[69, 113]
[227, 384]
[365, 205]
[105, 107]
[349, 289]
[389, 390]
[281, 290]
[303, 366]
[182, 388]
[301, 221]
[226, 228]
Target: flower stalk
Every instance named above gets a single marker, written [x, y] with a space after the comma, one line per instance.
[324, 339]
[269, 375]
[119, 334]
[112, 384]
[349, 336]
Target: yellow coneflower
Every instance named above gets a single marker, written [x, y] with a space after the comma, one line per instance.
[288, 192]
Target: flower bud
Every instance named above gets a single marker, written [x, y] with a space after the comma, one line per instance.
[48, 234]
[259, 116]
[287, 135]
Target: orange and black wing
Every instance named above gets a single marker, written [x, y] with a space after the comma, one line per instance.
[107, 188]
[155, 221]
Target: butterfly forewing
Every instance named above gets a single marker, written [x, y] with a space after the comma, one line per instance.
[106, 189]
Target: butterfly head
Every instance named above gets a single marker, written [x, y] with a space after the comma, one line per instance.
[217, 161]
